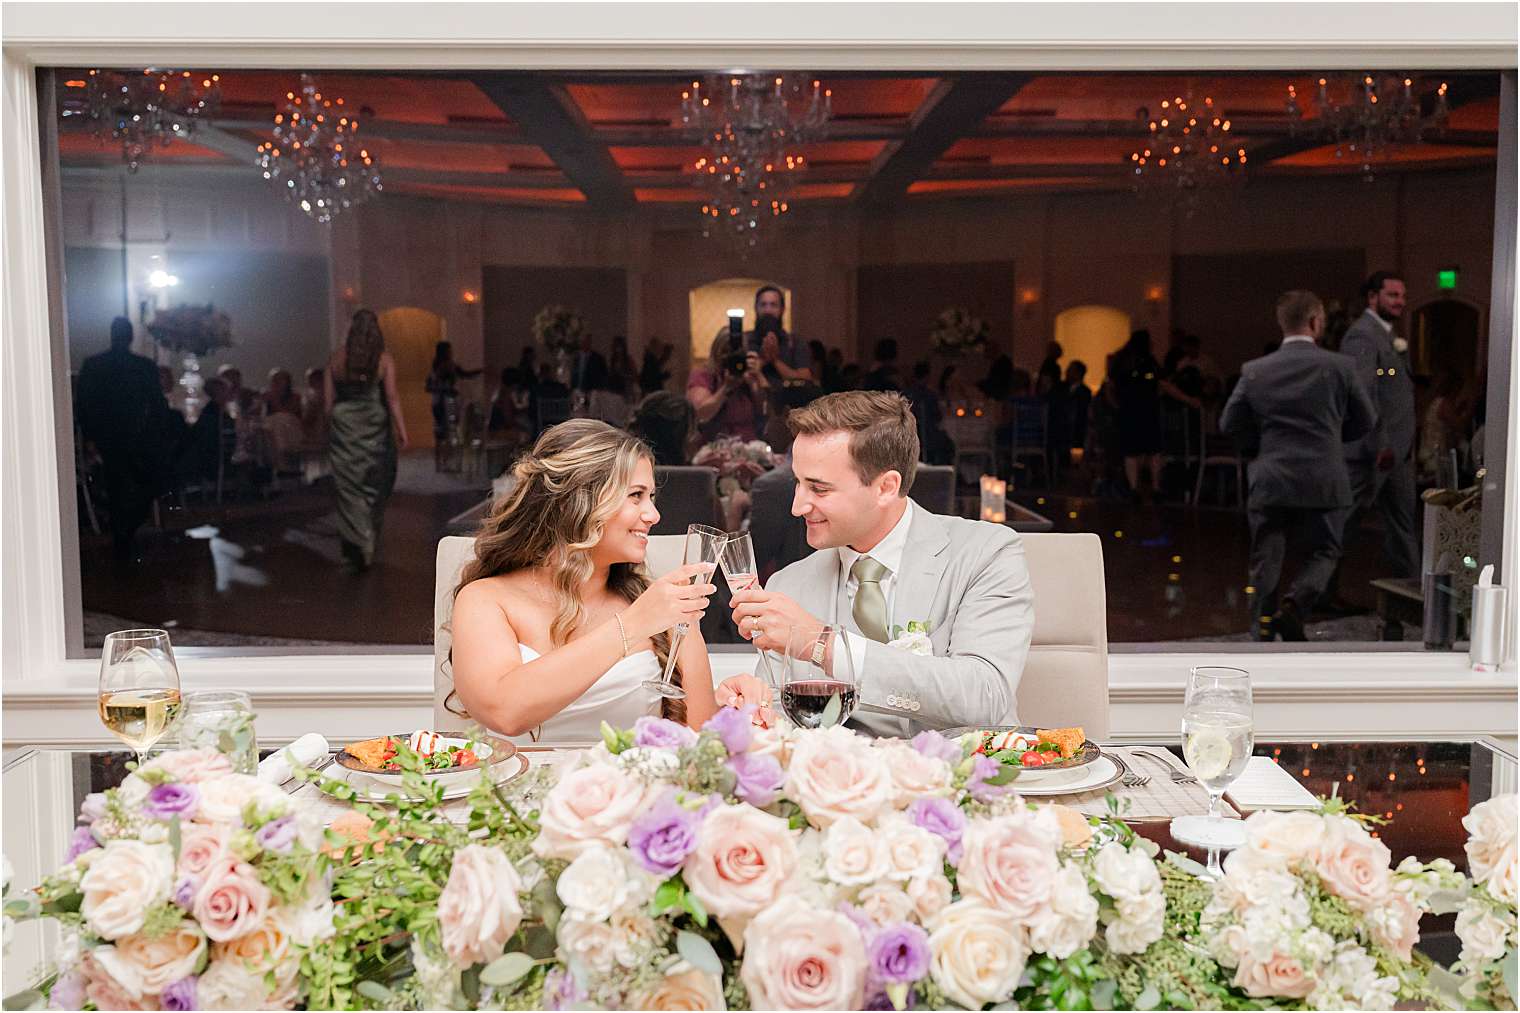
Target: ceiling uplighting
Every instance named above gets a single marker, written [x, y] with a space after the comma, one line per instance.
[315, 157]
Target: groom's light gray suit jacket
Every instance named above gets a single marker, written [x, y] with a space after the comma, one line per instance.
[968, 580]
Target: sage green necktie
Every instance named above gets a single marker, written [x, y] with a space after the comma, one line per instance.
[870, 609]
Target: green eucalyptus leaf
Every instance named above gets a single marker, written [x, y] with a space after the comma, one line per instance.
[695, 908]
[698, 952]
[668, 895]
[29, 999]
[1148, 999]
[374, 991]
[506, 969]
[20, 908]
[176, 839]
[1102, 994]
[831, 712]
[1508, 967]
[1004, 776]
[469, 982]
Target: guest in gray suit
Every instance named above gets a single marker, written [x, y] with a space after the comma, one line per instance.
[883, 561]
[1301, 402]
[1382, 464]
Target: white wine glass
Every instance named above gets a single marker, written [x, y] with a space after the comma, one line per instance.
[704, 544]
[819, 686]
[139, 688]
[1218, 734]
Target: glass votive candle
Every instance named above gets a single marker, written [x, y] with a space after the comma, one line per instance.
[221, 719]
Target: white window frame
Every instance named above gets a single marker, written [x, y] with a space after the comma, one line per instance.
[49, 697]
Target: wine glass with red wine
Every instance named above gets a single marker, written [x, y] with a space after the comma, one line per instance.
[819, 686]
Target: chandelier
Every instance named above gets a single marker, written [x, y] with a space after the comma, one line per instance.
[752, 127]
[148, 109]
[1370, 113]
[315, 157]
[1189, 148]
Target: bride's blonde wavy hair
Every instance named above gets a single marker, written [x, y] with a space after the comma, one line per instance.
[568, 486]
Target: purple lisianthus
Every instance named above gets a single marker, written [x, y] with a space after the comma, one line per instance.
[942, 818]
[83, 840]
[663, 836]
[983, 767]
[932, 743]
[277, 835]
[561, 990]
[898, 953]
[168, 800]
[661, 733]
[733, 726]
[93, 807]
[179, 995]
[757, 779]
[185, 891]
[68, 991]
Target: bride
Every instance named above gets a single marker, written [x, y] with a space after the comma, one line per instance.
[556, 625]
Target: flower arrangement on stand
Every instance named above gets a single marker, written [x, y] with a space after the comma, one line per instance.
[192, 330]
[1486, 918]
[560, 330]
[738, 462]
[956, 331]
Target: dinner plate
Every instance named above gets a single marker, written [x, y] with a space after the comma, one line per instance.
[1104, 772]
[1089, 752]
[489, 750]
[367, 788]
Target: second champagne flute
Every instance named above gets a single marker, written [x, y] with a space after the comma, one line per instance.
[704, 544]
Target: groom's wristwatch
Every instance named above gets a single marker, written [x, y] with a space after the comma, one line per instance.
[819, 649]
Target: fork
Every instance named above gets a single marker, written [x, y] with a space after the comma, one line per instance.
[1177, 776]
[1135, 780]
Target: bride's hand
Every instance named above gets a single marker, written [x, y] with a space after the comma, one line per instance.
[670, 600]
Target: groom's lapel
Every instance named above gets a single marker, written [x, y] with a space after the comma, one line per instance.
[923, 564]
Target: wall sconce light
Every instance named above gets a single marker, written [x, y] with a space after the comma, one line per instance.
[349, 295]
[469, 297]
[994, 499]
[1029, 298]
[1155, 294]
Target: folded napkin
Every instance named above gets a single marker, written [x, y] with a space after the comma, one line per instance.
[1266, 785]
[305, 751]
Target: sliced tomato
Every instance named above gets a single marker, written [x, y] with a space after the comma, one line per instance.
[1032, 759]
[464, 758]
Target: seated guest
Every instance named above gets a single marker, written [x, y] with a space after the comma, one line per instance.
[201, 450]
[665, 423]
[510, 404]
[779, 537]
[281, 407]
[281, 395]
[729, 392]
[556, 629]
[883, 562]
[314, 409]
[240, 400]
[883, 372]
[933, 440]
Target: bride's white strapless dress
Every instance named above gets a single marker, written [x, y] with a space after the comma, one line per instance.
[619, 698]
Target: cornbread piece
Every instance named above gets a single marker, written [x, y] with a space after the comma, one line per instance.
[371, 752]
[1068, 739]
[1075, 830]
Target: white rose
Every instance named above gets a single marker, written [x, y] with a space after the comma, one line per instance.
[132, 792]
[1140, 923]
[885, 904]
[1502, 878]
[912, 852]
[852, 853]
[223, 798]
[479, 909]
[836, 773]
[914, 643]
[1287, 837]
[1485, 937]
[930, 896]
[123, 882]
[1125, 873]
[1069, 922]
[590, 806]
[914, 774]
[231, 984]
[1491, 828]
[635, 936]
[978, 954]
[600, 882]
[312, 921]
[594, 944]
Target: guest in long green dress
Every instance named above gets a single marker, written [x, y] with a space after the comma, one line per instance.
[366, 432]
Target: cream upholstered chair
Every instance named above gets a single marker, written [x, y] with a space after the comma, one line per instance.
[665, 554]
[1065, 680]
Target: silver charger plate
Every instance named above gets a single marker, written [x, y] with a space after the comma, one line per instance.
[1105, 772]
[367, 789]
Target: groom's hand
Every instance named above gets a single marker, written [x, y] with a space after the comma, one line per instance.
[763, 618]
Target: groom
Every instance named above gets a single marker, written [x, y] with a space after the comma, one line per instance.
[884, 561]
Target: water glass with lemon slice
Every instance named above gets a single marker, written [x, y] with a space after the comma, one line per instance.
[1217, 737]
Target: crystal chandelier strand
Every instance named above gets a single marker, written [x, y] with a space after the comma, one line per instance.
[1370, 114]
[315, 157]
[143, 110]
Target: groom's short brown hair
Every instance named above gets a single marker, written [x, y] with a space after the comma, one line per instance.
[883, 431]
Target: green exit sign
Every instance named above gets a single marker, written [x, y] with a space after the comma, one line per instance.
[1446, 279]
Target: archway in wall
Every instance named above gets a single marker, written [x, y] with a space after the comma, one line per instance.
[1445, 334]
[1092, 334]
[410, 334]
[709, 305]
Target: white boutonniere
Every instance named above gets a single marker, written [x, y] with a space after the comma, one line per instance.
[1400, 345]
[913, 638]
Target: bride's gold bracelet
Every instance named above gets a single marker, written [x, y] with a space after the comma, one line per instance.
[621, 631]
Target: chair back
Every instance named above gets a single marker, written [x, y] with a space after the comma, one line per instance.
[1065, 680]
[552, 411]
[610, 407]
[664, 554]
[934, 488]
[1030, 420]
[686, 494]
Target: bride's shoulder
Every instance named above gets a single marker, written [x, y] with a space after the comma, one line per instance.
[503, 590]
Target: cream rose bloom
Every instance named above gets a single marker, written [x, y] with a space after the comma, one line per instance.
[852, 853]
[634, 935]
[930, 896]
[201, 845]
[1396, 925]
[1502, 879]
[742, 861]
[125, 879]
[1071, 919]
[143, 966]
[914, 774]
[798, 957]
[836, 773]
[102, 989]
[224, 798]
[1009, 862]
[1140, 922]
[978, 955]
[191, 766]
[1353, 864]
[885, 904]
[267, 948]
[683, 988]
[1484, 935]
[601, 881]
[1279, 975]
[231, 985]
[479, 909]
[590, 806]
[594, 944]
[1285, 836]
[1125, 873]
[1491, 829]
[912, 852]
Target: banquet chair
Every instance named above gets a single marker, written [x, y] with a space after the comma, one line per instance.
[934, 488]
[686, 494]
[1065, 680]
[664, 554]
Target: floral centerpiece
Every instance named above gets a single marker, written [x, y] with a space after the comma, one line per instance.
[1486, 919]
[559, 329]
[192, 330]
[738, 462]
[956, 330]
[189, 887]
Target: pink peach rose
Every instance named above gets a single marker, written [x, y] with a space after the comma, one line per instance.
[231, 901]
[836, 773]
[1353, 864]
[798, 957]
[1279, 975]
[200, 845]
[191, 766]
[105, 992]
[1009, 863]
[479, 908]
[590, 806]
[742, 860]
[144, 966]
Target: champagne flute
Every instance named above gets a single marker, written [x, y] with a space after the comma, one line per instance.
[738, 562]
[819, 688]
[1217, 737]
[704, 544]
[139, 688]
